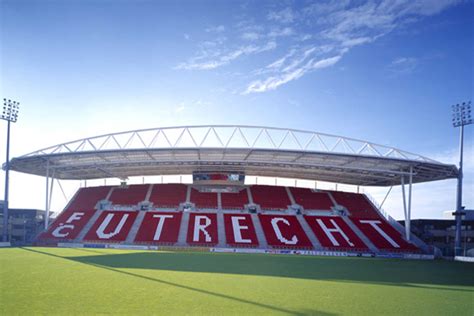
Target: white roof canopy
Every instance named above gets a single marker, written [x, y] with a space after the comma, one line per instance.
[253, 150]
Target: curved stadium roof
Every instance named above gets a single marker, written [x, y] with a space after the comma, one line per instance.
[253, 150]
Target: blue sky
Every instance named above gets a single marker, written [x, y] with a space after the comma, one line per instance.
[384, 71]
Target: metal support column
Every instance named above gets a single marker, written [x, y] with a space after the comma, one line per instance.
[461, 117]
[9, 114]
[459, 207]
[384, 199]
[408, 221]
[5, 202]
[407, 232]
[51, 191]
[62, 190]
[407, 208]
[46, 220]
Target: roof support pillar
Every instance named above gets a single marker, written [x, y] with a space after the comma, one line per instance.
[409, 202]
[51, 191]
[49, 194]
[62, 190]
[46, 219]
[407, 208]
[385, 198]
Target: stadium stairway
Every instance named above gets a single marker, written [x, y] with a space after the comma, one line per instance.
[262, 241]
[333, 200]
[395, 224]
[183, 230]
[309, 233]
[136, 225]
[413, 238]
[219, 200]
[249, 193]
[290, 196]
[148, 194]
[88, 226]
[188, 194]
[359, 234]
[221, 230]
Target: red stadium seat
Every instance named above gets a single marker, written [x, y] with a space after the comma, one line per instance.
[332, 232]
[111, 226]
[357, 204]
[130, 195]
[270, 197]
[87, 198]
[159, 228]
[284, 231]
[281, 231]
[168, 195]
[67, 225]
[234, 200]
[202, 229]
[311, 200]
[239, 230]
[383, 235]
[204, 199]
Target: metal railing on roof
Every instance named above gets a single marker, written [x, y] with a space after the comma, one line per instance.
[230, 137]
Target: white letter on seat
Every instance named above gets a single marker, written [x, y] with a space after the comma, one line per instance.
[200, 227]
[374, 224]
[237, 228]
[336, 229]
[105, 223]
[161, 222]
[294, 239]
[57, 231]
[74, 217]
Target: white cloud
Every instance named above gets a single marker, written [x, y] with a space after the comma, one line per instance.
[340, 27]
[403, 65]
[250, 36]
[357, 41]
[283, 16]
[216, 29]
[281, 32]
[280, 62]
[325, 62]
[293, 73]
[324, 7]
[311, 37]
[221, 59]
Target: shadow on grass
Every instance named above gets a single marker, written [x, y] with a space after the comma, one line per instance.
[182, 286]
[92, 250]
[409, 273]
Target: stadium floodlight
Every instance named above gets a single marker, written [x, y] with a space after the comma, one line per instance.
[9, 114]
[461, 117]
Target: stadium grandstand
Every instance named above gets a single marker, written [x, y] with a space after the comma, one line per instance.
[218, 210]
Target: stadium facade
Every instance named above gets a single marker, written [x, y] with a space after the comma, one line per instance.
[218, 211]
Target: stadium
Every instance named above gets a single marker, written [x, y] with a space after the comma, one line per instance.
[245, 157]
[219, 225]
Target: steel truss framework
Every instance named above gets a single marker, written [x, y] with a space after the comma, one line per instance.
[254, 150]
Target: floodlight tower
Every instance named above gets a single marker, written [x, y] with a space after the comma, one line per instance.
[461, 117]
[9, 114]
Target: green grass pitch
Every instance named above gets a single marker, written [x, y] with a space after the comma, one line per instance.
[88, 281]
